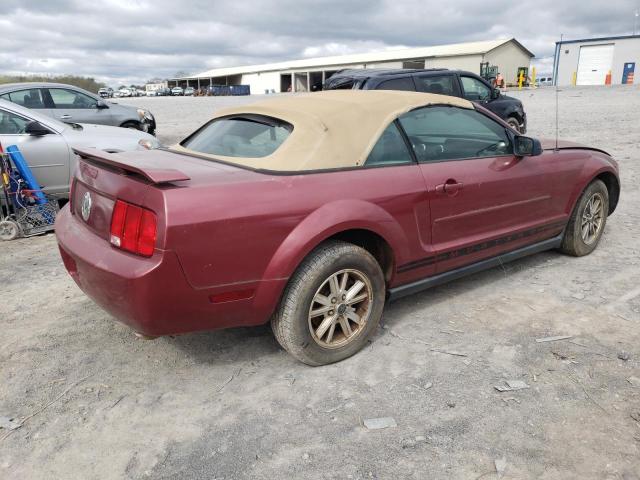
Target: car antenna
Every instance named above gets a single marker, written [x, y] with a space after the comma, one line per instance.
[556, 82]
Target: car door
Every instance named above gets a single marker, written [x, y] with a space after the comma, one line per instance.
[483, 199]
[47, 155]
[72, 106]
[441, 84]
[403, 196]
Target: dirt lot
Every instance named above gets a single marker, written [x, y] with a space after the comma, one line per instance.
[100, 403]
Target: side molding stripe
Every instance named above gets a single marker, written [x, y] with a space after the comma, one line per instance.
[423, 262]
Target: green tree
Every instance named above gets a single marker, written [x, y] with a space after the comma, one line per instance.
[88, 83]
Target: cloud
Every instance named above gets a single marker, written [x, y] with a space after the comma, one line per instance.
[125, 41]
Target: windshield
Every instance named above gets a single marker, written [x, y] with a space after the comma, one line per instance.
[253, 136]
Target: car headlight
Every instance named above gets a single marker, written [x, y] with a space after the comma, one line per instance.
[148, 144]
[144, 114]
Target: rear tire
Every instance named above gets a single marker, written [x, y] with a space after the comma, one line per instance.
[332, 304]
[587, 221]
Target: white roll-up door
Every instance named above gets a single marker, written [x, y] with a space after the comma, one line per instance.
[593, 64]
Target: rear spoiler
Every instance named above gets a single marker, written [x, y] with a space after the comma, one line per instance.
[153, 174]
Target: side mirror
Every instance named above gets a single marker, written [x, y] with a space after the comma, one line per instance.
[36, 129]
[101, 104]
[526, 146]
[495, 93]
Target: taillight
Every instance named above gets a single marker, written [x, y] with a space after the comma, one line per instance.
[133, 228]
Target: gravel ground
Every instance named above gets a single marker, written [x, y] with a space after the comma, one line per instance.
[99, 403]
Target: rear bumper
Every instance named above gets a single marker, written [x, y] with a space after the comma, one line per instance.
[152, 295]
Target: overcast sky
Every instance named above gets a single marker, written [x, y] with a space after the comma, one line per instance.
[125, 41]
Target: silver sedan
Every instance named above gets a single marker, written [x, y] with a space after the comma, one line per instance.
[46, 143]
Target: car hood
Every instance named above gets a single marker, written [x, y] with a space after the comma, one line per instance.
[107, 138]
[550, 144]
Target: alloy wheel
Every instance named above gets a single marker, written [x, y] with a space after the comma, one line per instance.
[340, 308]
[592, 219]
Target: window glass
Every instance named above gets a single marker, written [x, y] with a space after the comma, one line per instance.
[11, 124]
[441, 85]
[474, 89]
[69, 99]
[240, 137]
[405, 83]
[448, 133]
[390, 149]
[31, 98]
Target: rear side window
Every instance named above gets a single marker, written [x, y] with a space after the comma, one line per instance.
[404, 83]
[31, 98]
[249, 137]
[441, 85]
[390, 149]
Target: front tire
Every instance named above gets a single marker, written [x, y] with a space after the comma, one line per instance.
[132, 125]
[332, 304]
[514, 123]
[587, 221]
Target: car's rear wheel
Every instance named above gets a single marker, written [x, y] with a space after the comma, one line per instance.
[332, 304]
[514, 123]
[587, 221]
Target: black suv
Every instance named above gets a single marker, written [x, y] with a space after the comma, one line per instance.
[456, 83]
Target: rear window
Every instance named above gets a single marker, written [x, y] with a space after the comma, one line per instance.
[253, 136]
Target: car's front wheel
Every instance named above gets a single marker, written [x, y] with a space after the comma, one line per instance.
[587, 221]
[332, 304]
[514, 123]
[132, 125]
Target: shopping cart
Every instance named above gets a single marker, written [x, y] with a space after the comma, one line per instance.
[25, 210]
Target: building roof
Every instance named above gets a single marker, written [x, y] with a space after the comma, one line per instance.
[331, 129]
[456, 49]
[599, 39]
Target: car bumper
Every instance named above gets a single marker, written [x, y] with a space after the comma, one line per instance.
[152, 295]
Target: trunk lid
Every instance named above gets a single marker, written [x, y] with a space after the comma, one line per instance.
[140, 178]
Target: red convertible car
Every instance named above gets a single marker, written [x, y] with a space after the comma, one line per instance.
[311, 211]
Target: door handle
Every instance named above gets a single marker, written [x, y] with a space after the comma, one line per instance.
[450, 187]
[65, 116]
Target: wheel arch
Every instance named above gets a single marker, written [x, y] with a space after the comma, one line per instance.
[130, 122]
[588, 176]
[613, 188]
[373, 243]
[355, 221]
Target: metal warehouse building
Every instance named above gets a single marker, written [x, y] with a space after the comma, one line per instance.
[589, 61]
[301, 75]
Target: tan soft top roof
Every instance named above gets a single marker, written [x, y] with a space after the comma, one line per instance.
[331, 129]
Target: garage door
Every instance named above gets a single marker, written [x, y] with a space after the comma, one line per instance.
[593, 64]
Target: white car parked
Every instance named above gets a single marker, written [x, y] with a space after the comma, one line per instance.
[46, 143]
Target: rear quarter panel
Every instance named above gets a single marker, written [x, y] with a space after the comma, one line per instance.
[259, 227]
